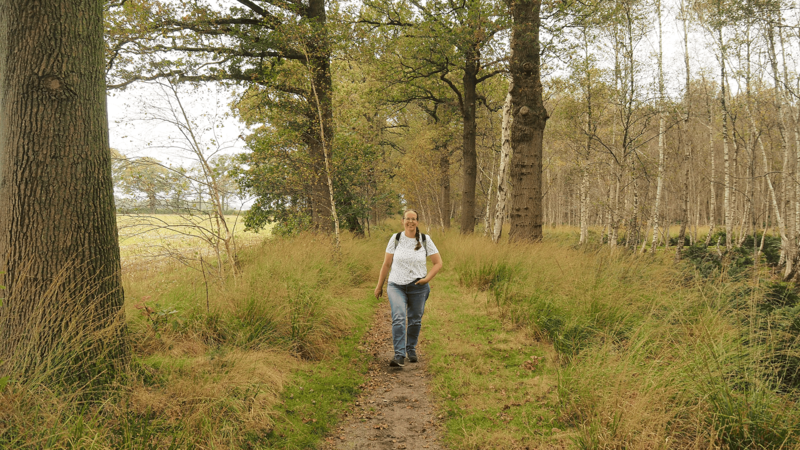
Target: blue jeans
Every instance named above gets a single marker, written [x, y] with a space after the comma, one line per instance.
[407, 302]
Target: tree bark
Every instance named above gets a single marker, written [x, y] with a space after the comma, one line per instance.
[590, 130]
[319, 62]
[661, 126]
[726, 199]
[58, 231]
[712, 207]
[529, 120]
[444, 174]
[503, 172]
[487, 218]
[470, 155]
[788, 249]
[685, 142]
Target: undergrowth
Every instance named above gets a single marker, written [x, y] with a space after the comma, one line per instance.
[649, 353]
[217, 365]
[529, 345]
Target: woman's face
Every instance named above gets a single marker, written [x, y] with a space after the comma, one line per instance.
[410, 222]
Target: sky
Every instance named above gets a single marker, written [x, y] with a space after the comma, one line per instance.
[137, 127]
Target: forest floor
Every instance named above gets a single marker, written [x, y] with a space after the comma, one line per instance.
[395, 409]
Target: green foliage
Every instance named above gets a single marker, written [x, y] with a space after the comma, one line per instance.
[278, 171]
[772, 247]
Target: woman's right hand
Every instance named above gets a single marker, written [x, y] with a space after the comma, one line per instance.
[378, 291]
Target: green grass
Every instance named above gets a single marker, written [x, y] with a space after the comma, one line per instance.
[527, 345]
[645, 353]
[496, 390]
[219, 373]
[318, 395]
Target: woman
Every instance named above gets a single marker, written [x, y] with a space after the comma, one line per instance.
[408, 285]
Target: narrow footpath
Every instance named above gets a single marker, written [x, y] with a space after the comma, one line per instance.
[395, 410]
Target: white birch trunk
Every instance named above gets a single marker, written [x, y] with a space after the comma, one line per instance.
[712, 207]
[787, 249]
[503, 172]
[660, 181]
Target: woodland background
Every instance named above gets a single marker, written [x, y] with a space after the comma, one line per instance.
[658, 309]
[631, 145]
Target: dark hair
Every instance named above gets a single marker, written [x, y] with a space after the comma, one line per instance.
[416, 235]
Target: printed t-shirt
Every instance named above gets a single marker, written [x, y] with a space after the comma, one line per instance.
[409, 264]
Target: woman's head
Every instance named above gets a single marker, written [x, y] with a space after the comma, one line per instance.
[410, 222]
[410, 218]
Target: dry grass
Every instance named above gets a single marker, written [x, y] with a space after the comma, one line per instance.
[207, 371]
[644, 354]
[538, 346]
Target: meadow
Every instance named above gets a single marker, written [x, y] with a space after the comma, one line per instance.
[145, 238]
[545, 345]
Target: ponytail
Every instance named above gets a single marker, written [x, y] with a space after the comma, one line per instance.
[419, 244]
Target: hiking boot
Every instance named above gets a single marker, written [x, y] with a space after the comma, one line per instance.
[398, 361]
[412, 356]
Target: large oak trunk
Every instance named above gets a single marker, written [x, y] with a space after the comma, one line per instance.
[528, 121]
[444, 174]
[58, 232]
[470, 162]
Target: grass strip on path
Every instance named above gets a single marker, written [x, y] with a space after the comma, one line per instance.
[497, 387]
[319, 393]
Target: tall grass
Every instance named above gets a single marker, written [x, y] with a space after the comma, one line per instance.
[649, 354]
[210, 362]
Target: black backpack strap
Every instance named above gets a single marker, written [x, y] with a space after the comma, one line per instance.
[424, 245]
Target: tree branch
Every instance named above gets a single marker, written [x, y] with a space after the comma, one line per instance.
[255, 8]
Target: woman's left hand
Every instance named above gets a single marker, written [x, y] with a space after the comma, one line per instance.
[423, 281]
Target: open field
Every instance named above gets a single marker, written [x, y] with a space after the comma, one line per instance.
[157, 238]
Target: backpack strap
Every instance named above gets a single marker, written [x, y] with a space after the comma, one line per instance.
[424, 245]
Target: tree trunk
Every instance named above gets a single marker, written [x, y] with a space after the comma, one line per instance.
[726, 199]
[660, 181]
[584, 193]
[529, 120]
[684, 139]
[444, 174]
[503, 172]
[712, 207]
[788, 249]
[58, 232]
[487, 217]
[319, 64]
[470, 155]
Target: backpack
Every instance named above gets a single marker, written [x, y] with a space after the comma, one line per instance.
[397, 241]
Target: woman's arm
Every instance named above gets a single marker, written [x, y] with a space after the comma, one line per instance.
[387, 264]
[436, 258]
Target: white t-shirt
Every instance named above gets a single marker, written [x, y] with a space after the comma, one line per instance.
[409, 264]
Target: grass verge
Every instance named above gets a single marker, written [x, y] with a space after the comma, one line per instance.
[265, 360]
[629, 351]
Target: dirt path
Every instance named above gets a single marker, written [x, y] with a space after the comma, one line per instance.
[395, 410]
